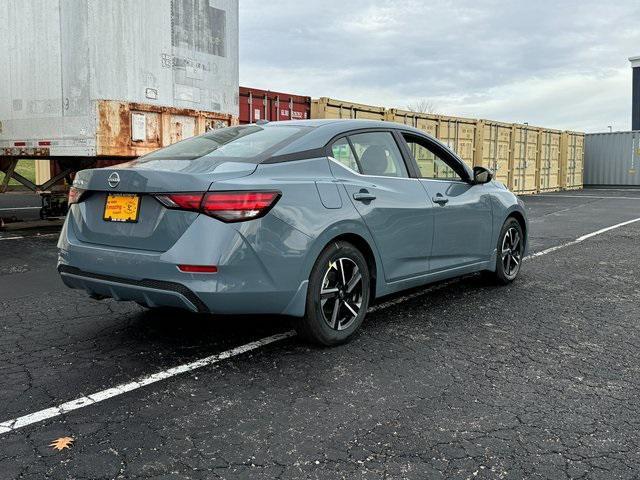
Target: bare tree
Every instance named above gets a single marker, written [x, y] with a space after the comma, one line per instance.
[422, 106]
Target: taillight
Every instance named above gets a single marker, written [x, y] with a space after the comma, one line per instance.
[75, 195]
[238, 206]
[226, 206]
[182, 201]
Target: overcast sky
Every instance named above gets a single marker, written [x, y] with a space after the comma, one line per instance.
[556, 64]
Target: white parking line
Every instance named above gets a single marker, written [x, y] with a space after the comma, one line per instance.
[580, 239]
[9, 209]
[630, 189]
[30, 419]
[587, 196]
[94, 398]
[31, 236]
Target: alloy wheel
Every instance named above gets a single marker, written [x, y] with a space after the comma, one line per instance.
[511, 252]
[341, 293]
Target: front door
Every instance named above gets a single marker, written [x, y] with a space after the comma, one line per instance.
[393, 206]
[462, 212]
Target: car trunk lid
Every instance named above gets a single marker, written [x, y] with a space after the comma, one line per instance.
[154, 228]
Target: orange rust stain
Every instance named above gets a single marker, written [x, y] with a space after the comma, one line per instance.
[113, 137]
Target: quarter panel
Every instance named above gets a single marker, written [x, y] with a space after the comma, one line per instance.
[301, 212]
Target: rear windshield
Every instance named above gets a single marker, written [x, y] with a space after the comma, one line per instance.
[244, 143]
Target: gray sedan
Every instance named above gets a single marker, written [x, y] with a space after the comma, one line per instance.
[312, 219]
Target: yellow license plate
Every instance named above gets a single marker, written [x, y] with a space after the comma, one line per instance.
[121, 207]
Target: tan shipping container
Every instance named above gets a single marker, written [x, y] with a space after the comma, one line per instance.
[525, 159]
[43, 171]
[572, 160]
[457, 133]
[428, 123]
[494, 148]
[549, 168]
[331, 108]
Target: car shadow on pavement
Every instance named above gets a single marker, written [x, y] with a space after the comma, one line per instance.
[182, 331]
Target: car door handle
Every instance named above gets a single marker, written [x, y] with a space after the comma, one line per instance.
[364, 196]
[440, 200]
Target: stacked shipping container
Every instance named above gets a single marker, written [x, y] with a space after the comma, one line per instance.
[527, 159]
[329, 108]
[572, 169]
[258, 105]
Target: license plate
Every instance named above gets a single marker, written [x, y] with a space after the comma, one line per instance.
[121, 207]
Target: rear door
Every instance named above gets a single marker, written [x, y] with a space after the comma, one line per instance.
[462, 212]
[393, 205]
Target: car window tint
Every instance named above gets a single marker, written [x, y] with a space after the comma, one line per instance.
[430, 164]
[341, 151]
[379, 154]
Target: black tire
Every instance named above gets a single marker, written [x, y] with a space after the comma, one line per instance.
[339, 285]
[509, 252]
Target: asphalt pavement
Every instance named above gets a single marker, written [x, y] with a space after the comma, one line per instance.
[538, 379]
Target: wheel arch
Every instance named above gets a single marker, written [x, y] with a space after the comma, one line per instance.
[520, 218]
[361, 244]
[359, 238]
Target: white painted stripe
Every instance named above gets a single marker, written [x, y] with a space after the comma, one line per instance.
[630, 189]
[16, 423]
[19, 208]
[580, 239]
[102, 395]
[587, 196]
[38, 235]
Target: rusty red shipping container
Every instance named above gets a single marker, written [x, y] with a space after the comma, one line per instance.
[256, 104]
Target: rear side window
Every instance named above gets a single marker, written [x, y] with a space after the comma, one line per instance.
[341, 151]
[248, 143]
[373, 153]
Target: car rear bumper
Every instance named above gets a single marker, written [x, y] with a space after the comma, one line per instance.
[152, 293]
[244, 283]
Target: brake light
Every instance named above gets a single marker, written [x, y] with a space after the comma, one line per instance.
[75, 195]
[226, 206]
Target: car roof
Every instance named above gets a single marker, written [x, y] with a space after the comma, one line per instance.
[339, 123]
[322, 131]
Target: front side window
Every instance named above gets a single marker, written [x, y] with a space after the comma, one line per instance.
[429, 164]
[378, 154]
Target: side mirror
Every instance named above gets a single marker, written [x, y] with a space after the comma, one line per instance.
[482, 175]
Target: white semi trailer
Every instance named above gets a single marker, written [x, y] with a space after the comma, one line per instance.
[86, 82]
